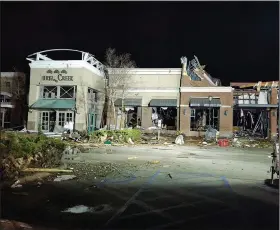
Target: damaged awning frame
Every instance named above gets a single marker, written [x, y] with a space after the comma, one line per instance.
[252, 106]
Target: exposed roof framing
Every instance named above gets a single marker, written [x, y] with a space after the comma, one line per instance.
[85, 56]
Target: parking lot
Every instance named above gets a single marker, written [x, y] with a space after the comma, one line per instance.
[160, 187]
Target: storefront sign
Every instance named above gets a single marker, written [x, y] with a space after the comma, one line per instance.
[57, 76]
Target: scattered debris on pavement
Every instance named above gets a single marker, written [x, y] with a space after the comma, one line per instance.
[16, 184]
[47, 170]
[179, 140]
[154, 162]
[211, 134]
[131, 158]
[251, 142]
[64, 177]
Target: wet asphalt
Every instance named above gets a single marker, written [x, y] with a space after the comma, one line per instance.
[187, 188]
[155, 201]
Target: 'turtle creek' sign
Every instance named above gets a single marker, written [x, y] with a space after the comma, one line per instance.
[57, 76]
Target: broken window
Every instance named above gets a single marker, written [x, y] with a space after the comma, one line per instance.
[49, 92]
[92, 95]
[168, 116]
[67, 92]
[58, 92]
[4, 98]
[200, 119]
[245, 97]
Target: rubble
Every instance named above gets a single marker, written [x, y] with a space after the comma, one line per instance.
[64, 177]
[251, 142]
[130, 141]
[16, 184]
[211, 134]
[179, 140]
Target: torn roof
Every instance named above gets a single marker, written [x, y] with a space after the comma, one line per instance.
[260, 84]
[195, 69]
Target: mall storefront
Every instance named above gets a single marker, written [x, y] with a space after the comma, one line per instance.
[65, 94]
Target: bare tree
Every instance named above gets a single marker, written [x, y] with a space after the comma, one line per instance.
[118, 69]
[82, 99]
[18, 91]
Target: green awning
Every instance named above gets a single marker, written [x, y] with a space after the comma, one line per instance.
[129, 102]
[163, 103]
[54, 104]
[204, 102]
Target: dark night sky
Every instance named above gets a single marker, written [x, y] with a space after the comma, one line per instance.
[238, 41]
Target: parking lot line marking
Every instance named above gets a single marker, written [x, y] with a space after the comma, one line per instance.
[124, 207]
[189, 219]
[158, 211]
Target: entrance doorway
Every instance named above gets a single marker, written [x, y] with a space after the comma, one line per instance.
[91, 122]
[50, 119]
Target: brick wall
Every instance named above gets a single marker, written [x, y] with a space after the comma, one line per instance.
[273, 114]
[226, 112]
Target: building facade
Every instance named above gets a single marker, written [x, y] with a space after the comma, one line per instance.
[151, 92]
[185, 99]
[12, 100]
[180, 97]
[63, 92]
[255, 107]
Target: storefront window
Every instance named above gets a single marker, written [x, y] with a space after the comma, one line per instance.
[200, 119]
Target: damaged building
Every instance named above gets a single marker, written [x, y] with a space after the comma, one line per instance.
[12, 100]
[186, 99]
[65, 92]
[256, 108]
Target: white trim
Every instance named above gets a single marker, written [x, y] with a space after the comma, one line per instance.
[153, 90]
[206, 89]
[65, 65]
[153, 71]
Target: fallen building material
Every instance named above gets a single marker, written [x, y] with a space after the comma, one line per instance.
[64, 177]
[47, 170]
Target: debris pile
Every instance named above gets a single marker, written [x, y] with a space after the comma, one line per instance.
[99, 170]
[250, 142]
[179, 140]
[20, 151]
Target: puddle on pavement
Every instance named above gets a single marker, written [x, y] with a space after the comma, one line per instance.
[79, 209]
